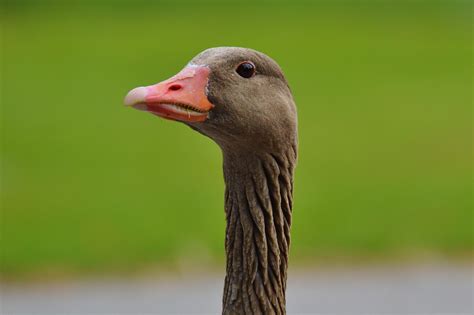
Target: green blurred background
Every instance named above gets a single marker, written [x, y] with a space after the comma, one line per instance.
[384, 95]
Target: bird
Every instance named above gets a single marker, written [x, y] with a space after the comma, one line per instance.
[240, 98]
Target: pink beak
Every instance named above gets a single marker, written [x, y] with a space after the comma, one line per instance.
[182, 97]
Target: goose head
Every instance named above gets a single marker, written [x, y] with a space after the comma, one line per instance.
[239, 97]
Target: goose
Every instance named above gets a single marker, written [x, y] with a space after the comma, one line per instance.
[240, 98]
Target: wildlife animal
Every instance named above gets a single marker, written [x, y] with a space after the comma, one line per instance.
[240, 98]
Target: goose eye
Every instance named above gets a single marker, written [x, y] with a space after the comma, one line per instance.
[246, 69]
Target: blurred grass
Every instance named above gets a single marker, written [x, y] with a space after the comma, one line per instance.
[384, 98]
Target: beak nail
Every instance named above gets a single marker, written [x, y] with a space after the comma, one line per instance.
[136, 96]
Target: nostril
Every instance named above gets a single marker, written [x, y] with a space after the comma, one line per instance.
[175, 87]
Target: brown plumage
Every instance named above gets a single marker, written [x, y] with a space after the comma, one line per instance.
[253, 119]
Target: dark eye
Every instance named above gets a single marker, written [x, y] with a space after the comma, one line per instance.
[246, 69]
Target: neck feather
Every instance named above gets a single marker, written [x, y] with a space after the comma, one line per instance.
[258, 205]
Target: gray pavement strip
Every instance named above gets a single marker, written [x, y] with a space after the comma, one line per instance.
[413, 289]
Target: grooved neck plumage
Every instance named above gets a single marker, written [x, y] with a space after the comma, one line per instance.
[258, 204]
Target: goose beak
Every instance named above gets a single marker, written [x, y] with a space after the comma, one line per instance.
[182, 97]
